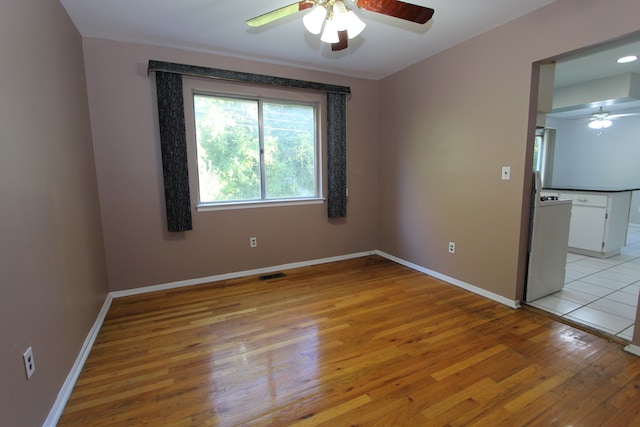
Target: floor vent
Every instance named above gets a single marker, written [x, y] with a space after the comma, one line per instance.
[272, 276]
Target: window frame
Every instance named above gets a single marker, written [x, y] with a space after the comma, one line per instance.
[195, 86]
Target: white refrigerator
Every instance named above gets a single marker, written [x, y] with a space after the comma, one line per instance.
[548, 244]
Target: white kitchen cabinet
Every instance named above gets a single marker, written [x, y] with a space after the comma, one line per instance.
[599, 222]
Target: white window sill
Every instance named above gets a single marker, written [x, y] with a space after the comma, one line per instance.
[204, 207]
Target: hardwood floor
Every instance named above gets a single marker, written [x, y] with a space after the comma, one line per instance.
[363, 342]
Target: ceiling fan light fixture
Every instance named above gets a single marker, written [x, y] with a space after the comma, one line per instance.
[313, 20]
[330, 33]
[354, 25]
[345, 19]
[339, 8]
[600, 124]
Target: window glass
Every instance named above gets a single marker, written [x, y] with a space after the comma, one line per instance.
[537, 152]
[255, 149]
[289, 147]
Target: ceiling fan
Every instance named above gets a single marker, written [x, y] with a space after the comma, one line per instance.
[601, 119]
[339, 22]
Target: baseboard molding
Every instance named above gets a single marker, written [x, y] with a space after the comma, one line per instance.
[235, 275]
[633, 349]
[67, 387]
[70, 381]
[471, 288]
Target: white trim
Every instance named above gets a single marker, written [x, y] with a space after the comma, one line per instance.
[452, 281]
[69, 383]
[235, 275]
[67, 387]
[205, 207]
[633, 349]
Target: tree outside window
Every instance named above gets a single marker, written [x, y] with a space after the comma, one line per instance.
[255, 149]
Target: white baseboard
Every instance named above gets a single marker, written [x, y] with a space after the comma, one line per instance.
[235, 275]
[633, 349]
[70, 381]
[67, 387]
[471, 288]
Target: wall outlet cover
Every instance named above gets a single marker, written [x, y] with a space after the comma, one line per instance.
[29, 364]
[506, 173]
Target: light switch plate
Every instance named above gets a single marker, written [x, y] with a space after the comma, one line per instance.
[506, 173]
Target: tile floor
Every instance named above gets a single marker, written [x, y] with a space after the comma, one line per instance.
[600, 293]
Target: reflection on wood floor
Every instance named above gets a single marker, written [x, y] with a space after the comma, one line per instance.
[358, 342]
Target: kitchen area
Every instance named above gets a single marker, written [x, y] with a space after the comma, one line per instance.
[584, 256]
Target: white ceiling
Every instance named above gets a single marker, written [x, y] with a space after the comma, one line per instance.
[597, 63]
[385, 46]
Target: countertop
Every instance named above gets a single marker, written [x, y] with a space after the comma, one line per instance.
[592, 189]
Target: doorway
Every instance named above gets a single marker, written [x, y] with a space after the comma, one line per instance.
[601, 293]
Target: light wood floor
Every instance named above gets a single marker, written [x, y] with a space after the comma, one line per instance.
[364, 342]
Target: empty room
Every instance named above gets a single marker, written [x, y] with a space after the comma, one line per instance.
[253, 213]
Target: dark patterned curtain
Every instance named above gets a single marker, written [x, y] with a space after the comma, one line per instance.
[174, 146]
[337, 155]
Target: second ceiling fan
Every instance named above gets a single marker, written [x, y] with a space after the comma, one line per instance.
[601, 119]
[337, 22]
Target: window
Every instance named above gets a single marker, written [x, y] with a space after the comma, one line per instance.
[178, 157]
[543, 153]
[255, 150]
[538, 150]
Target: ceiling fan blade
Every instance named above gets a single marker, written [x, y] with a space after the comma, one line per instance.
[604, 115]
[282, 12]
[398, 9]
[615, 116]
[587, 119]
[342, 42]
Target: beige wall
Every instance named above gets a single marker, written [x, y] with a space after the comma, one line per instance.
[452, 121]
[441, 129]
[52, 272]
[140, 252]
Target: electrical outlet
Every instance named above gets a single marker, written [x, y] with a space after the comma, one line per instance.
[253, 242]
[29, 364]
[452, 248]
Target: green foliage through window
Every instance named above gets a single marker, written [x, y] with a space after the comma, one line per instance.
[238, 160]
